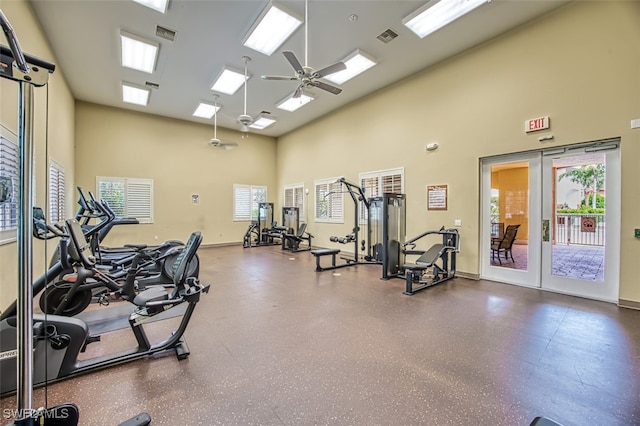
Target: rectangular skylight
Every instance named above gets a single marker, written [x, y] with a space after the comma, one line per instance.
[138, 53]
[438, 13]
[205, 110]
[262, 122]
[229, 81]
[159, 5]
[272, 28]
[292, 104]
[357, 63]
[135, 95]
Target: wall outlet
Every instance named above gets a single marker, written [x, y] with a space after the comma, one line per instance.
[457, 222]
[155, 238]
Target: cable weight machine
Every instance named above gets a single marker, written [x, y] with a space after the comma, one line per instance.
[357, 195]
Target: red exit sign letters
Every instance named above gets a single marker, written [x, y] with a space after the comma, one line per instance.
[535, 124]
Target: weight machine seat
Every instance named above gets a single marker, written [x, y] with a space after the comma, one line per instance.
[325, 252]
[427, 259]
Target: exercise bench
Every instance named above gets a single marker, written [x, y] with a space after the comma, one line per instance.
[325, 252]
[445, 252]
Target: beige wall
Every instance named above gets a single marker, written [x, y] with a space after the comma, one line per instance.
[579, 64]
[59, 145]
[177, 156]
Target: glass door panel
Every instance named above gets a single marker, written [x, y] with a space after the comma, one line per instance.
[581, 199]
[510, 218]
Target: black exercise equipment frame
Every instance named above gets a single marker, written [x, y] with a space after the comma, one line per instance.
[357, 195]
[445, 252]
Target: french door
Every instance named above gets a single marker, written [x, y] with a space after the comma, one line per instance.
[565, 204]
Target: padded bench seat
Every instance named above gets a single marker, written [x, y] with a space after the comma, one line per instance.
[325, 252]
[427, 259]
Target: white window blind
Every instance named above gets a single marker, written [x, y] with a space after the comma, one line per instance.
[128, 197]
[9, 169]
[56, 193]
[294, 197]
[377, 183]
[329, 201]
[245, 201]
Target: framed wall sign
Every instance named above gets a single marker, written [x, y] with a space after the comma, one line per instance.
[437, 197]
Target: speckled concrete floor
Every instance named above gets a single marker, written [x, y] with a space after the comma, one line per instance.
[276, 343]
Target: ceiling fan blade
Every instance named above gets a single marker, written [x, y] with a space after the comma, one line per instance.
[329, 88]
[278, 77]
[339, 66]
[298, 92]
[291, 57]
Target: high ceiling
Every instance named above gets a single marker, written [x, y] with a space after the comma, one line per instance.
[85, 38]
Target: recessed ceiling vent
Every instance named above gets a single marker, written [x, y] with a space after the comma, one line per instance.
[165, 33]
[152, 85]
[387, 35]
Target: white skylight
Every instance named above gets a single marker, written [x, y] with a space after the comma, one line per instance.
[135, 95]
[272, 28]
[229, 81]
[205, 110]
[357, 63]
[438, 13]
[138, 53]
[159, 5]
[262, 122]
[292, 104]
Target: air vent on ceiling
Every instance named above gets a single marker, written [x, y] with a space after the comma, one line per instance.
[165, 33]
[152, 85]
[387, 35]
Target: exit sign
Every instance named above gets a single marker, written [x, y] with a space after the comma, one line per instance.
[535, 124]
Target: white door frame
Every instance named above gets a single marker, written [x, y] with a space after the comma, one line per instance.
[608, 289]
[538, 273]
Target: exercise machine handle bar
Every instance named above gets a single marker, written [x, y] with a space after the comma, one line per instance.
[16, 52]
[442, 231]
[356, 192]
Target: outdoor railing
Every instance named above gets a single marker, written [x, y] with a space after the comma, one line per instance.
[585, 229]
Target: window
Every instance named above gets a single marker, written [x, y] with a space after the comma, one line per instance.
[245, 201]
[9, 173]
[294, 197]
[329, 201]
[377, 183]
[127, 197]
[56, 193]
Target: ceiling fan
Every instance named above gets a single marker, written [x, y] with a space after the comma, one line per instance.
[244, 119]
[215, 142]
[305, 75]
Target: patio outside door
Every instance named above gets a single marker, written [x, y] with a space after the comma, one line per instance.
[566, 202]
[581, 221]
